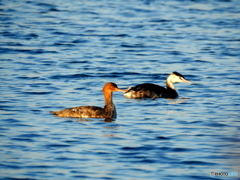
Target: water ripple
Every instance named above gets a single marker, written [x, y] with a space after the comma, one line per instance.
[59, 54]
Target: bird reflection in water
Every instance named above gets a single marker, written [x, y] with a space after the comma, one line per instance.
[178, 101]
[104, 120]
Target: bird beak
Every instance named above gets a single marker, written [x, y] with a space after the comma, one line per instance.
[184, 80]
[117, 89]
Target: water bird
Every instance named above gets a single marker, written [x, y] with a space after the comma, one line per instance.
[149, 90]
[109, 110]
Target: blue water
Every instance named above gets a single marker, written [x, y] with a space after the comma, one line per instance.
[58, 54]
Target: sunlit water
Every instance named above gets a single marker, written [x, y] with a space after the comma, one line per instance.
[58, 54]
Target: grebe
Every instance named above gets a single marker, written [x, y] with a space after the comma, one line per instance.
[148, 90]
[108, 111]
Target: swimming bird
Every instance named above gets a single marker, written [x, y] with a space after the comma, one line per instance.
[109, 110]
[149, 90]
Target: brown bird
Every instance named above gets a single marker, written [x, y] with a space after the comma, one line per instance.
[148, 90]
[109, 110]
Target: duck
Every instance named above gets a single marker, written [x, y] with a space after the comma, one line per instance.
[108, 111]
[149, 90]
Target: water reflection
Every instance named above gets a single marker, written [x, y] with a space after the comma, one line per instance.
[178, 101]
[105, 120]
[108, 120]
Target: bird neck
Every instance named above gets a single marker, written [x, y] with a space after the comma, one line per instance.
[109, 106]
[169, 84]
[108, 100]
[108, 97]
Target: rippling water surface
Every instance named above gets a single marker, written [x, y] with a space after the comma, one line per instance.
[58, 54]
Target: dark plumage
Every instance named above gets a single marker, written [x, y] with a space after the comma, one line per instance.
[149, 90]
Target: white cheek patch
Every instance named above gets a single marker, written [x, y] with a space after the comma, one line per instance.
[130, 94]
[127, 94]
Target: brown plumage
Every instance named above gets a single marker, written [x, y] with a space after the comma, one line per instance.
[148, 90]
[109, 110]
